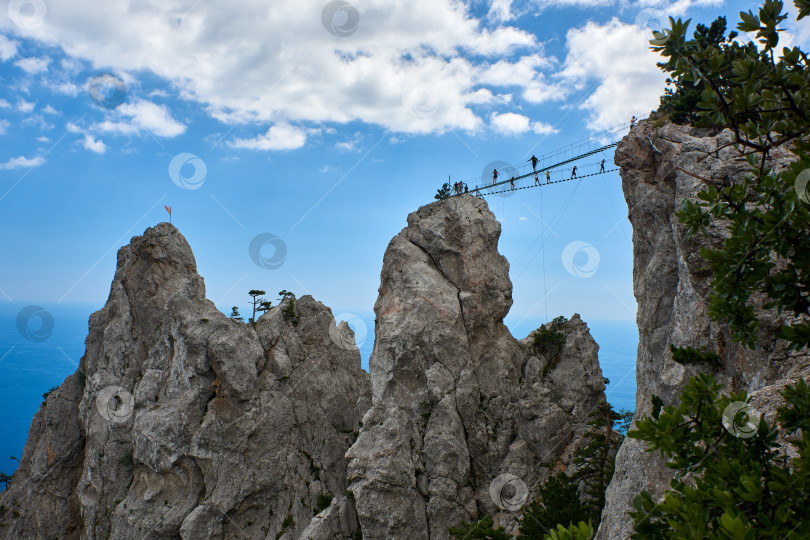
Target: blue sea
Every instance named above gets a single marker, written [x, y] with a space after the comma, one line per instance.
[42, 353]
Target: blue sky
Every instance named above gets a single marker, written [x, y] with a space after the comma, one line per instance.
[323, 124]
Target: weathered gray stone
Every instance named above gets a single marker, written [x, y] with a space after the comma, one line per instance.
[661, 167]
[457, 400]
[184, 423]
[190, 424]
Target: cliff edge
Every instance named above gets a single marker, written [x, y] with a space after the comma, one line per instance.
[660, 168]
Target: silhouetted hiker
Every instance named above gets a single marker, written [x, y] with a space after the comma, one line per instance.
[536, 180]
[603, 166]
[512, 182]
[548, 177]
[534, 163]
[494, 176]
[466, 189]
[574, 172]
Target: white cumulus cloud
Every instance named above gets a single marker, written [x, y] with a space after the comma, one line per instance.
[278, 137]
[543, 129]
[501, 10]
[275, 62]
[33, 65]
[525, 74]
[509, 123]
[8, 48]
[618, 58]
[352, 144]
[140, 116]
[93, 144]
[25, 106]
[517, 124]
[22, 161]
[670, 6]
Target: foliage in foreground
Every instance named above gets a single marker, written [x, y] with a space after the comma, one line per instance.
[733, 480]
[681, 99]
[580, 531]
[479, 530]
[762, 94]
[483, 530]
[557, 502]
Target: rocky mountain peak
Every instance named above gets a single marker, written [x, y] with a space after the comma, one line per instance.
[457, 401]
[184, 423]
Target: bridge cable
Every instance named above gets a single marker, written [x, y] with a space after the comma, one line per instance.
[479, 189]
[543, 249]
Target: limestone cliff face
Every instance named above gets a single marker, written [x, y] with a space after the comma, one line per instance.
[184, 423]
[457, 401]
[660, 168]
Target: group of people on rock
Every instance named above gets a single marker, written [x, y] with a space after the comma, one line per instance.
[459, 188]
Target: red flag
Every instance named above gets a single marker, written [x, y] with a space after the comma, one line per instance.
[168, 209]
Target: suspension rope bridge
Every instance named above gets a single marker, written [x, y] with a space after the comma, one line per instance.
[511, 178]
[548, 165]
